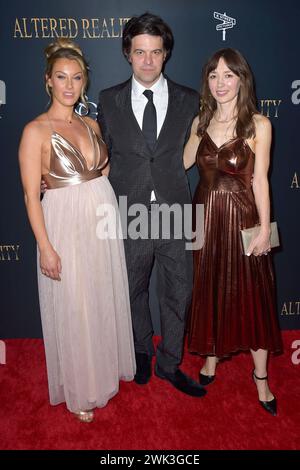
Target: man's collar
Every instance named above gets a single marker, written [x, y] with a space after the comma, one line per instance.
[157, 88]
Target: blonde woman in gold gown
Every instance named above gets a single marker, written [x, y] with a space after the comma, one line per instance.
[82, 278]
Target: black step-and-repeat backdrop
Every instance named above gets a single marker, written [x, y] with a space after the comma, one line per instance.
[265, 32]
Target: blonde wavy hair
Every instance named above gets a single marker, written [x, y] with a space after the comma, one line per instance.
[66, 49]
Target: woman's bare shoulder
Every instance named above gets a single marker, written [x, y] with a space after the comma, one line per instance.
[195, 123]
[93, 124]
[262, 123]
[38, 126]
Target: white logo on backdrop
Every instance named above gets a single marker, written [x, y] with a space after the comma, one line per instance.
[296, 95]
[90, 111]
[227, 23]
[2, 94]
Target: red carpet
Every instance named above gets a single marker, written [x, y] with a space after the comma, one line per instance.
[154, 416]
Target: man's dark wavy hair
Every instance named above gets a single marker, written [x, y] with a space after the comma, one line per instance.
[147, 24]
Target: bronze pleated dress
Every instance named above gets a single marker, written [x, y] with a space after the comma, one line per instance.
[233, 306]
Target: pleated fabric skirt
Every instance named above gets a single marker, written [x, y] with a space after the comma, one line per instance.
[86, 316]
[233, 306]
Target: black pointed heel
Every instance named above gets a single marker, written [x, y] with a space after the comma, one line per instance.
[206, 379]
[269, 406]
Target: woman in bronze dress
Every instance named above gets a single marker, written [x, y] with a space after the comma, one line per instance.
[233, 305]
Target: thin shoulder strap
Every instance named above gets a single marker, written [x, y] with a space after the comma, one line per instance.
[91, 133]
[89, 128]
[85, 123]
[50, 123]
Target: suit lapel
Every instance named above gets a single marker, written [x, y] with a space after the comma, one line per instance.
[123, 102]
[174, 101]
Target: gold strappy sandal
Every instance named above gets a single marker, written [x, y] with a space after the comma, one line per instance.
[85, 416]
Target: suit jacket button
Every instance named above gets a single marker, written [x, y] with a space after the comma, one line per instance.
[151, 159]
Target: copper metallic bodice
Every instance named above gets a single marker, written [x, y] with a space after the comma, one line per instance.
[228, 167]
[67, 164]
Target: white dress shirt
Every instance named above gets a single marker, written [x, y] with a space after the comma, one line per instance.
[160, 100]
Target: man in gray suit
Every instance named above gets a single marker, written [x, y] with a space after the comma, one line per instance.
[145, 123]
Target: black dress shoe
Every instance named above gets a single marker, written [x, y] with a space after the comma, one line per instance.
[143, 368]
[181, 381]
[269, 406]
[206, 379]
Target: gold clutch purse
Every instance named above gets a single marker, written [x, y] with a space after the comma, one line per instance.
[248, 233]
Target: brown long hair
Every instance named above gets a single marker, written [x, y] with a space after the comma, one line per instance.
[246, 100]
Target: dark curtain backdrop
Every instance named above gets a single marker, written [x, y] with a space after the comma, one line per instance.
[265, 32]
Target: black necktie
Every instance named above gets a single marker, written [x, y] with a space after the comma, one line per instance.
[149, 127]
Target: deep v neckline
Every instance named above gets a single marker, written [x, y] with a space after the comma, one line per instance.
[77, 149]
[228, 142]
[224, 144]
